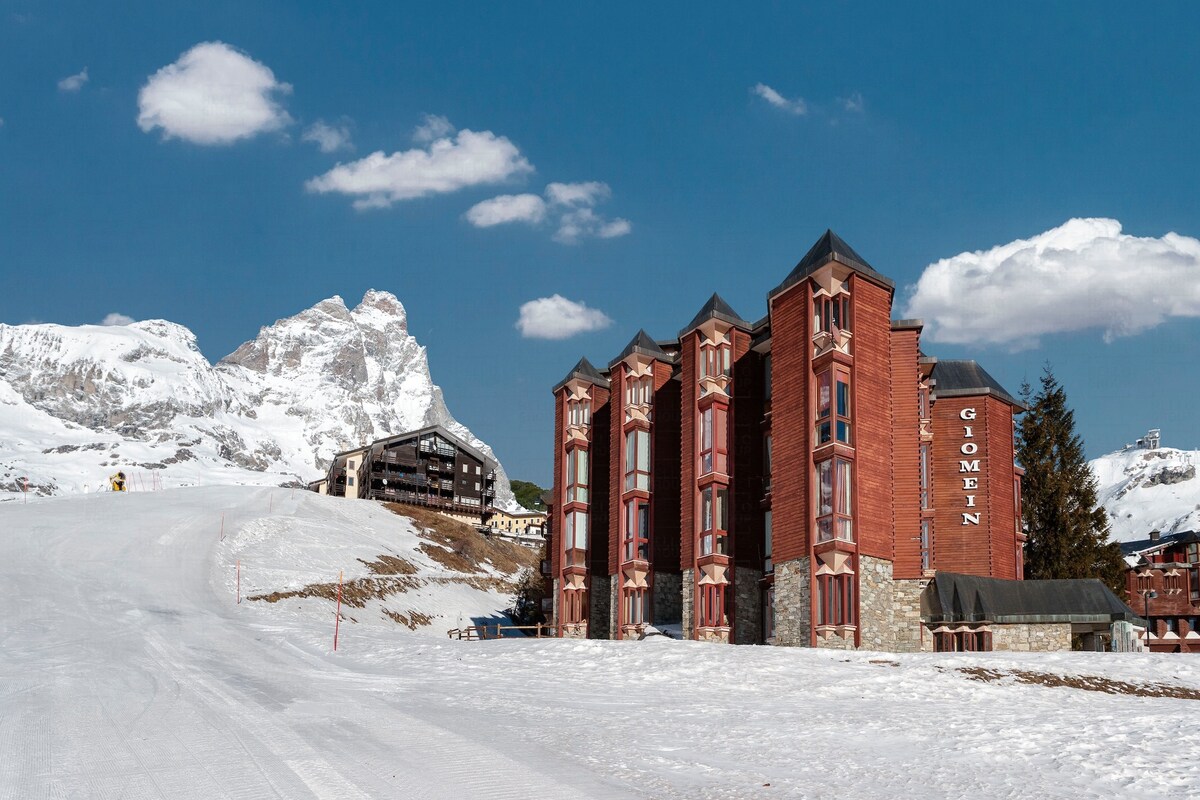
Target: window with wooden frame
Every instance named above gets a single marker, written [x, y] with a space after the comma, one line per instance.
[635, 606]
[924, 473]
[637, 530]
[767, 464]
[922, 402]
[637, 460]
[1194, 583]
[835, 599]
[768, 564]
[1192, 551]
[831, 314]
[577, 475]
[639, 391]
[575, 533]
[712, 606]
[574, 606]
[715, 358]
[714, 446]
[833, 405]
[835, 489]
[926, 542]
[714, 521]
[579, 412]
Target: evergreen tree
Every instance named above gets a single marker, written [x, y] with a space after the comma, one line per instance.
[528, 494]
[1068, 532]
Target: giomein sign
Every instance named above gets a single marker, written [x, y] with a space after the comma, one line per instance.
[969, 465]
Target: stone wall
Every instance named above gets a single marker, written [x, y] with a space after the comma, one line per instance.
[599, 599]
[1032, 638]
[614, 599]
[668, 598]
[793, 603]
[910, 634]
[876, 605]
[688, 600]
[747, 609]
[555, 618]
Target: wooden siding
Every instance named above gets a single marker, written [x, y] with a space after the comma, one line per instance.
[872, 416]
[906, 465]
[688, 394]
[791, 461]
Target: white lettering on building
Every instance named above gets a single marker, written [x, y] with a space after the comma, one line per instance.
[969, 449]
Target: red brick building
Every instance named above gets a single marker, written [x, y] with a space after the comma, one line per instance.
[796, 480]
[1163, 584]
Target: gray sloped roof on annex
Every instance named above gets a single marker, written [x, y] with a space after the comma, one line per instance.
[831, 247]
[715, 308]
[1140, 546]
[584, 371]
[642, 344]
[440, 431]
[952, 597]
[966, 378]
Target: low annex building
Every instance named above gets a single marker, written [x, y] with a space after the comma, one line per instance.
[799, 480]
[427, 467]
[1163, 582]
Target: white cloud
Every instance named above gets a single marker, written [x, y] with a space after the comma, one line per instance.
[329, 138]
[528, 208]
[116, 319]
[1085, 274]
[447, 165]
[854, 103]
[797, 106]
[433, 128]
[556, 317]
[214, 94]
[73, 83]
[578, 194]
[574, 225]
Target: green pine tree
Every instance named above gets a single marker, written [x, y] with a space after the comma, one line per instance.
[1068, 532]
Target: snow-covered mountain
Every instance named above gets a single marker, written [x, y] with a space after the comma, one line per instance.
[79, 403]
[1146, 489]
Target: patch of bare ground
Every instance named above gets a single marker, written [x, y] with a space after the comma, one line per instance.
[1088, 683]
[412, 621]
[465, 549]
[355, 593]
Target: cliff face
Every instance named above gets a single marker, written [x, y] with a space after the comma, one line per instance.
[79, 403]
[1144, 490]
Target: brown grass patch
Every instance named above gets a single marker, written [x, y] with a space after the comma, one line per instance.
[355, 593]
[465, 549]
[390, 565]
[1088, 683]
[414, 620]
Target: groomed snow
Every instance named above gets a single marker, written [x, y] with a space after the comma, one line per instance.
[128, 669]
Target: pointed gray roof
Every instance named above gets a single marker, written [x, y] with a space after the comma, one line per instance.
[831, 247]
[584, 371]
[717, 308]
[966, 378]
[644, 345]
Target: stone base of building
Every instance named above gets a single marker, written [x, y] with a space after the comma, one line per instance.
[668, 598]
[718, 635]
[575, 630]
[748, 606]
[1046, 638]
[793, 603]
[599, 600]
[614, 603]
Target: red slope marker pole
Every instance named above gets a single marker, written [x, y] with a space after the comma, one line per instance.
[239, 581]
[222, 538]
[337, 619]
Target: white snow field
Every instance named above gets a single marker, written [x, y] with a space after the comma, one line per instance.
[129, 670]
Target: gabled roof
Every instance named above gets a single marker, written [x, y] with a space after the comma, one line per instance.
[1143, 546]
[966, 378]
[715, 308]
[642, 344]
[831, 247]
[970, 598]
[583, 371]
[440, 431]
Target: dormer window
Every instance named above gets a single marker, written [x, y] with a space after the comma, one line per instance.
[833, 405]
[831, 314]
[715, 359]
[579, 413]
[639, 391]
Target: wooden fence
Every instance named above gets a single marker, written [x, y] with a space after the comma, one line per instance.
[476, 633]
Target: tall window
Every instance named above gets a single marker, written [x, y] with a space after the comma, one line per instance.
[831, 313]
[579, 412]
[637, 460]
[574, 605]
[637, 530]
[706, 441]
[768, 565]
[575, 535]
[924, 475]
[767, 463]
[715, 359]
[833, 405]
[767, 376]
[639, 391]
[712, 605]
[577, 475]
[835, 600]
[926, 537]
[637, 606]
[714, 521]
[834, 493]
[923, 402]
[713, 441]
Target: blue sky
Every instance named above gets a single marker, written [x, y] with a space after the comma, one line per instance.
[673, 149]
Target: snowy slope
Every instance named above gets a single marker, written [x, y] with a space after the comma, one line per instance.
[1144, 490]
[128, 669]
[77, 404]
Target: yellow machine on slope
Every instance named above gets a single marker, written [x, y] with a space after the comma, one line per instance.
[117, 482]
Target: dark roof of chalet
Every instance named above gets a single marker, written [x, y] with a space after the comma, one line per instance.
[831, 247]
[715, 308]
[643, 345]
[1162, 542]
[907, 324]
[965, 378]
[438, 429]
[584, 371]
[969, 598]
